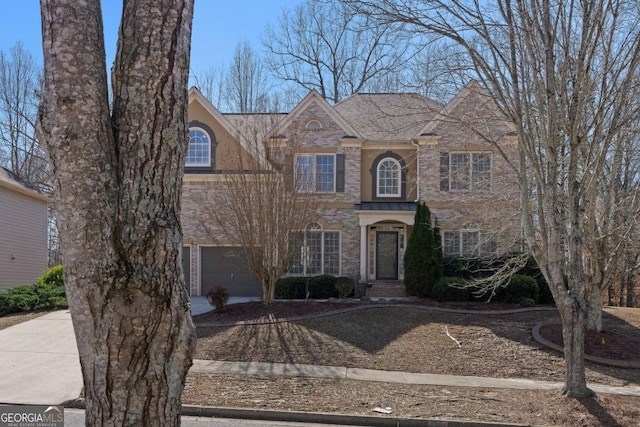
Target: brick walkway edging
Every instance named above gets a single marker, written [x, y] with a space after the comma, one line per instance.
[627, 364]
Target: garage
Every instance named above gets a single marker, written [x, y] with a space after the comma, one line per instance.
[227, 267]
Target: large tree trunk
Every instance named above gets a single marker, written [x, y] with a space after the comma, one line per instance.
[572, 314]
[594, 312]
[118, 185]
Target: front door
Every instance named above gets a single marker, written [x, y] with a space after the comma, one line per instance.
[387, 255]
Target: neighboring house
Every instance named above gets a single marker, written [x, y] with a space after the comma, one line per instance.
[370, 158]
[23, 231]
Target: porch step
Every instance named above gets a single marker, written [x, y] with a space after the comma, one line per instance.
[386, 290]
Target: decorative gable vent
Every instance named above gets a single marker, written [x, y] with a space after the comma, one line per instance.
[313, 125]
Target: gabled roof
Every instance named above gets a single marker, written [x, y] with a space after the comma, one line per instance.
[388, 116]
[245, 136]
[311, 98]
[11, 181]
[445, 114]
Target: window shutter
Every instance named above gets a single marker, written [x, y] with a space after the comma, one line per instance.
[340, 172]
[444, 171]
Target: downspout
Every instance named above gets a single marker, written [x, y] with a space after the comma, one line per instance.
[417, 170]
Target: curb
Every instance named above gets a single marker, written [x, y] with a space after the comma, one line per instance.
[599, 360]
[319, 417]
[367, 307]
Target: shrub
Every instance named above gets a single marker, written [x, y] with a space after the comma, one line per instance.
[218, 297]
[519, 287]
[527, 302]
[345, 286]
[443, 291]
[47, 293]
[295, 287]
[52, 277]
[423, 256]
[32, 297]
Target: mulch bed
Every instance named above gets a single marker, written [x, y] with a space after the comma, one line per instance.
[616, 343]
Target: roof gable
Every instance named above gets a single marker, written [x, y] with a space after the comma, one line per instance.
[471, 100]
[314, 98]
[245, 139]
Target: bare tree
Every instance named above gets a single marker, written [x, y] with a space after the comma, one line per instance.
[118, 179]
[246, 84]
[211, 83]
[612, 234]
[19, 89]
[322, 45]
[565, 74]
[260, 206]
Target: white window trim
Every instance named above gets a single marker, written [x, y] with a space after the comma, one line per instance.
[470, 175]
[317, 228]
[397, 163]
[470, 228]
[208, 164]
[314, 185]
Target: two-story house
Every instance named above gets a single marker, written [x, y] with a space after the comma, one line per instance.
[370, 159]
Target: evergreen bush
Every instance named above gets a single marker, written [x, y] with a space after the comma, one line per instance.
[345, 286]
[423, 256]
[519, 287]
[295, 287]
[443, 291]
[47, 293]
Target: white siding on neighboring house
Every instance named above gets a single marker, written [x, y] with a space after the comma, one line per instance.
[23, 235]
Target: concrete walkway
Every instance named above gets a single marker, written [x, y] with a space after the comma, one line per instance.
[39, 362]
[39, 365]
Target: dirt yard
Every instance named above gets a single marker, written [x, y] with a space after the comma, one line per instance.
[414, 339]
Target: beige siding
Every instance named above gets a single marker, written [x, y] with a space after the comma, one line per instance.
[23, 238]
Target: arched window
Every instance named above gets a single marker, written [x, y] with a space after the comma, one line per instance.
[389, 177]
[199, 150]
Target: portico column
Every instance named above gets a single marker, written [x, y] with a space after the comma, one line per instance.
[363, 252]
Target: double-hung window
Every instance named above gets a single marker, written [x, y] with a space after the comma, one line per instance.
[315, 173]
[469, 243]
[315, 251]
[199, 149]
[465, 171]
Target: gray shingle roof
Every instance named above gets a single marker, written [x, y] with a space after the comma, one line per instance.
[388, 116]
[9, 179]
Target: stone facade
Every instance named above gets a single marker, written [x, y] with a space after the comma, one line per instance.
[373, 223]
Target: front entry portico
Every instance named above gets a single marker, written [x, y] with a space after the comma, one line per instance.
[383, 239]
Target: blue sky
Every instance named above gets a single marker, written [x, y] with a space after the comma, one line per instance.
[217, 27]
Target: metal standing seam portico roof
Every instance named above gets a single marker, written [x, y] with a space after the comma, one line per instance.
[386, 206]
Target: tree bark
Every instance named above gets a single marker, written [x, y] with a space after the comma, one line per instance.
[594, 311]
[572, 314]
[118, 184]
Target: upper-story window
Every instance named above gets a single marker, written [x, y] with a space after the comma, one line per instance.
[315, 173]
[199, 150]
[388, 178]
[465, 171]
